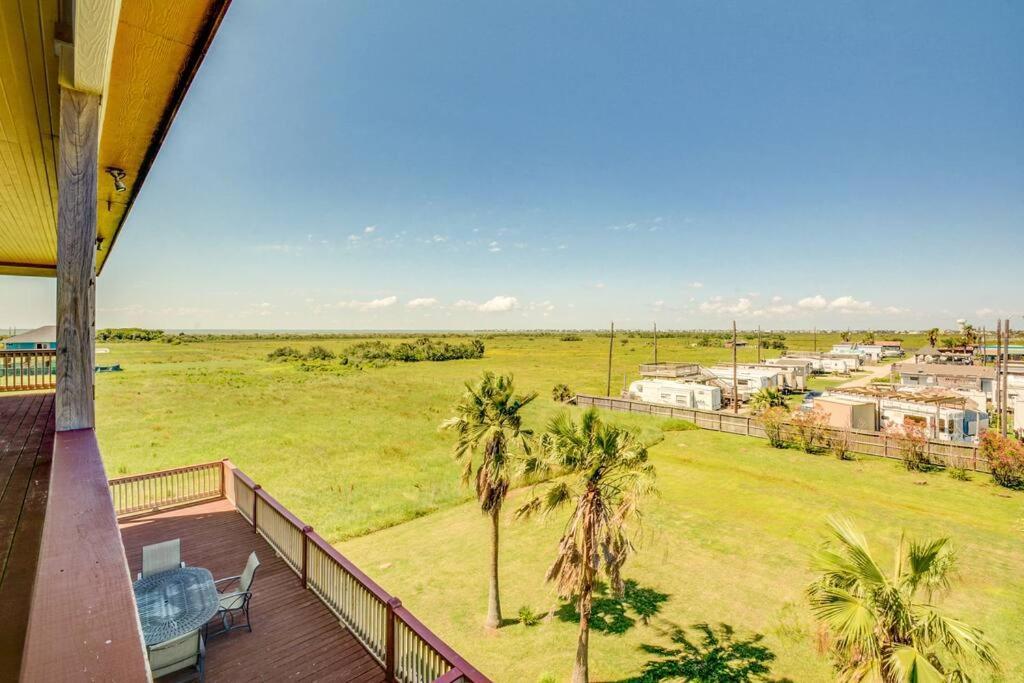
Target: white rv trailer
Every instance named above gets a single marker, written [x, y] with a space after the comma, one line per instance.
[790, 377]
[754, 379]
[840, 365]
[677, 394]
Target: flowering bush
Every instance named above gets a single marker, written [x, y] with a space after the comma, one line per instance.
[809, 428]
[912, 444]
[772, 421]
[1006, 458]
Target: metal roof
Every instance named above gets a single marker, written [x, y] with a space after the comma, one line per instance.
[40, 335]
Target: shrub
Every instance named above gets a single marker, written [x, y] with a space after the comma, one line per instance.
[773, 422]
[319, 353]
[561, 393]
[839, 444]
[959, 473]
[571, 338]
[912, 444]
[128, 334]
[1006, 458]
[284, 353]
[675, 425]
[527, 617]
[809, 429]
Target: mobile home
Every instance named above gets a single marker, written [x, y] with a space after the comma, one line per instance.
[677, 394]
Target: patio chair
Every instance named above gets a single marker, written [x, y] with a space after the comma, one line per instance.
[161, 557]
[234, 604]
[184, 652]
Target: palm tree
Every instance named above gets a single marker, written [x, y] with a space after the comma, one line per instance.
[933, 336]
[869, 337]
[489, 425]
[969, 334]
[845, 336]
[880, 627]
[609, 475]
[766, 398]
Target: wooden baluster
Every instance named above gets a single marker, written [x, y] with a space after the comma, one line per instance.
[389, 639]
[255, 501]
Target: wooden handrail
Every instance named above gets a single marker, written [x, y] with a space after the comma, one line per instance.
[287, 544]
[395, 612]
[437, 645]
[262, 494]
[156, 474]
[346, 564]
[28, 369]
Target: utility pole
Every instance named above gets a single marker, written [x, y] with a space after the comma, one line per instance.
[655, 343]
[1006, 376]
[735, 392]
[997, 398]
[758, 344]
[984, 349]
[815, 339]
[611, 345]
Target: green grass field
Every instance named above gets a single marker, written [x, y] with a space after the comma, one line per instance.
[357, 454]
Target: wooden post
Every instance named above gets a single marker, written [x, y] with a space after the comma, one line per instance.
[306, 531]
[655, 343]
[389, 640]
[735, 386]
[611, 345]
[997, 392]
[1006, 376]
[255, 500]
[758, 344]
[76, 259]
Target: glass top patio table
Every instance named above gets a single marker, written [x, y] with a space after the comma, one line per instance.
[175, 602]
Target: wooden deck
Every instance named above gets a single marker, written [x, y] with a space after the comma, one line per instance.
[26, 447]
[295, 637]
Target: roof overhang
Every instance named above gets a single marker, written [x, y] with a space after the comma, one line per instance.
[140, 57]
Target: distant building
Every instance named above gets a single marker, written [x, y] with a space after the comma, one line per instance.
[975, 377]
[38, 339]
[740, 343]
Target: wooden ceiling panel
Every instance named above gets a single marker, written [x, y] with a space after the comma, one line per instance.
[157, 49]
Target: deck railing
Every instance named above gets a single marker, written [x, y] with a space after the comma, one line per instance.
[167, 488]
[28, 370]
[408, 650]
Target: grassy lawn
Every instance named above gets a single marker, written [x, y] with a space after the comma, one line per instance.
[726, 541]
[357, 454]
[330, 443]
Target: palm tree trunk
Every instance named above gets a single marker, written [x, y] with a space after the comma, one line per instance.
[581, 669]
[493, 599]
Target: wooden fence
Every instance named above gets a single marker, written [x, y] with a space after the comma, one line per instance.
[861, 442]
[28, 370]
[408, 650]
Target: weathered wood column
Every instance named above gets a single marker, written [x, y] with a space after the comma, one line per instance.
[76, 259]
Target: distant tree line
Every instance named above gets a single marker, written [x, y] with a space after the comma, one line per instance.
[377, 353]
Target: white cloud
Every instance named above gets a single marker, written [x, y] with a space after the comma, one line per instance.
[372, 305]
[422, 302]
[776, 299]
[493, 247]
[499, 304]
[848, 303]
[814, 303]
[894, 310]
[696, 285]
[370, 229]
[718, 305]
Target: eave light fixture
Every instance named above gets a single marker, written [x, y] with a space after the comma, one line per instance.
[118, 175]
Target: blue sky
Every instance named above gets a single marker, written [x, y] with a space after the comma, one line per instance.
[536, 164]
